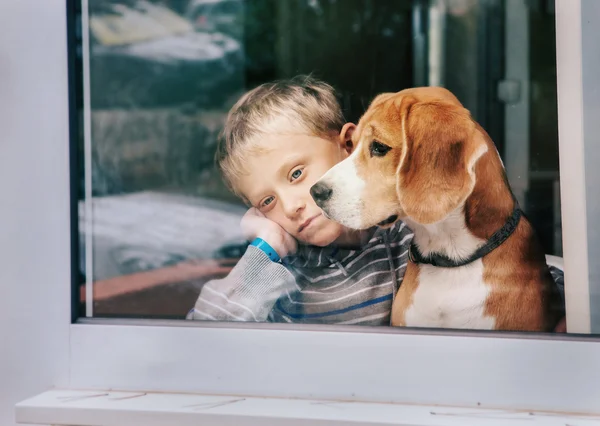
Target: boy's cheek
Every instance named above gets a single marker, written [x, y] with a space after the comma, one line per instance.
[280, 219]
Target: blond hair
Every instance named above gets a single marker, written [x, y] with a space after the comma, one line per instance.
[301, 105]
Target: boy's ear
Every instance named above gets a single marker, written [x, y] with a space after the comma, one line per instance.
[346, 137]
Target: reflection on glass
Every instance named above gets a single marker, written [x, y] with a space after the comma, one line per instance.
[164, 74]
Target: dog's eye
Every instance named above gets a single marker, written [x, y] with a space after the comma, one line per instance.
[377, 149]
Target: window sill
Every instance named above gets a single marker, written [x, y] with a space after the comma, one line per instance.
[108, 408]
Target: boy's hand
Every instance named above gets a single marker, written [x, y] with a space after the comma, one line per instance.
[255, 225]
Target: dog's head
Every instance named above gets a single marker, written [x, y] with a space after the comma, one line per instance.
[415, 155]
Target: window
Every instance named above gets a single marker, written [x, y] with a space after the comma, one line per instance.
[205, 356]
[156, 221]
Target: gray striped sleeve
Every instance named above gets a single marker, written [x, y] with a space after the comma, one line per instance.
[559, 279]
[248, 293]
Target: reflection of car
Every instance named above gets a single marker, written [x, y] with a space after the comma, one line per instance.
[153, 251]
[143, 54]
[150, 230]
[233, 250]
[224, 16]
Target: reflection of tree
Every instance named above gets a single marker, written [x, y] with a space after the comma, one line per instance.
[178, 6]
[175, 5]
[136, 149]
[259, 40]
[107, 6]
[363, 47]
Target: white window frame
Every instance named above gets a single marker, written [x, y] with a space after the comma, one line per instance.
[469, 369]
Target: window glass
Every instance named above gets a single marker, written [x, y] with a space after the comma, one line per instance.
[160, 233]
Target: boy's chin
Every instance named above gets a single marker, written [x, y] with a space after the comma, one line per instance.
[318, 242]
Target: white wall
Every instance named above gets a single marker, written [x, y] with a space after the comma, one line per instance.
[34, 191]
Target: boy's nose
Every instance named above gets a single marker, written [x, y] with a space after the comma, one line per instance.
[320, 193]
[292, 207]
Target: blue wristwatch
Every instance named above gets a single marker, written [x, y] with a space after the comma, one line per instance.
[261, 244]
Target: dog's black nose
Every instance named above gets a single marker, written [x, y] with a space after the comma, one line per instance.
[320, 192]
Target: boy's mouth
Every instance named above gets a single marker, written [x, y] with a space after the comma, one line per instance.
[307, 222]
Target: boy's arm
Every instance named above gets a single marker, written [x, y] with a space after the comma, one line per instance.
[559, 281]
[248, 293]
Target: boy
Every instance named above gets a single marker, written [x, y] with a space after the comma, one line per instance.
[279, 139]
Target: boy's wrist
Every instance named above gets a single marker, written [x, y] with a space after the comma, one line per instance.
[264, 246]
[274, 241]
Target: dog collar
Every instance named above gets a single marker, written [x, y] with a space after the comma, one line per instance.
[496, 240]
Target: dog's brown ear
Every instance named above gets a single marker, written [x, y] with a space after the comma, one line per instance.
[436, 173]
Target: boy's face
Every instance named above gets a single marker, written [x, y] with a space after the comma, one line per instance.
[280, 179]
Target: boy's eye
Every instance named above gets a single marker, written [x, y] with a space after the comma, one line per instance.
[296, 174]
[267, 201]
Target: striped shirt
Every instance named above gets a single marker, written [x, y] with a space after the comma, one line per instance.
[318, 285]
[322, 285]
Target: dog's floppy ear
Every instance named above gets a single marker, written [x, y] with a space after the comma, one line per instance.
[436, 172]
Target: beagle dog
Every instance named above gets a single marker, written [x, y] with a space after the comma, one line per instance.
[474, 262]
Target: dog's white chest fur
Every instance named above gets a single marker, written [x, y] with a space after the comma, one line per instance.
[450, 298]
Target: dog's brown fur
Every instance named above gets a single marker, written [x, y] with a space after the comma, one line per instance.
[442, 160]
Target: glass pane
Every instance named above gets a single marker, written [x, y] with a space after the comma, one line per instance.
[160, 229]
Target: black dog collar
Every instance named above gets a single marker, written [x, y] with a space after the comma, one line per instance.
[495, 241]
